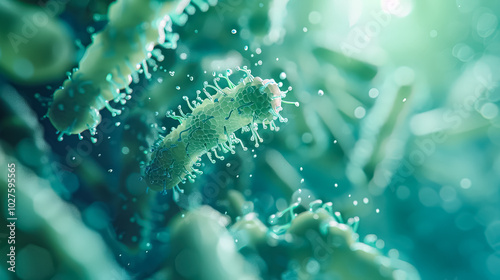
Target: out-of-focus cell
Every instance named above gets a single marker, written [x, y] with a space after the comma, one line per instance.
[34, 263]
[35, 46]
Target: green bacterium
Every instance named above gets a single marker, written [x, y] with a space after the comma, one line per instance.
[211, 126]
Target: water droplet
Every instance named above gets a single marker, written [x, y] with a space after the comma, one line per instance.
[336, 185]
[304, 29]
[283, 75]
[246, 48]
[110, 170]
[321, 92]
[258, 51]
[359, 112]
[366, 200]
[177, 87]
[234, 31]
[302, 181]
[465, 183]
[355, 203]
[373, 93]
[377, 210]
[301, 169]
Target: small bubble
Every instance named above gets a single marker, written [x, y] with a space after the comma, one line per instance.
[282, 75]
[373, 93]
[110, 170]
[258, 51]
[259, 62]
[301, 169]
[172, 73]
[359, 112]
[355, 203]
[377, 210]
[234, 31]
[404, 99]
[465, 183]
[336, 185]
[228, 165]
[183, 56]
[334, 141]
[321, 92]
[251, 176]
[177, 87]
[302, 181]
[366, 200]
[304, 29]
[246, 48]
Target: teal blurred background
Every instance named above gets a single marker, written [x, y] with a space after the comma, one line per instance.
[398, 124]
